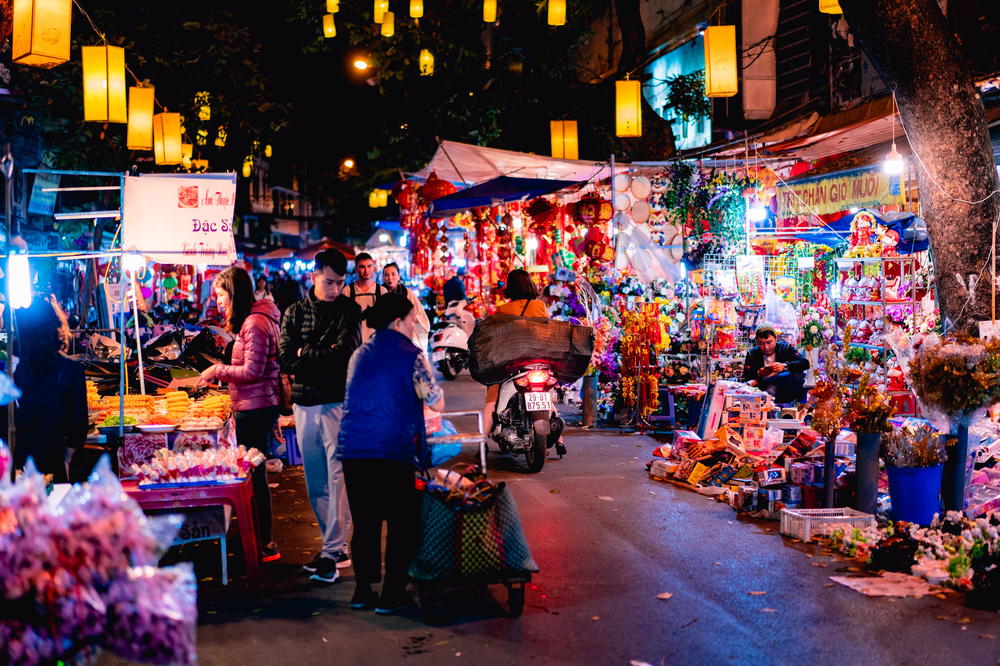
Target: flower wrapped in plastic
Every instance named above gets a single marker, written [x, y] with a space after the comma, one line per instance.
[956, 382]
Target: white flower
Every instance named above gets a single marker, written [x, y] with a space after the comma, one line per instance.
[813, 329]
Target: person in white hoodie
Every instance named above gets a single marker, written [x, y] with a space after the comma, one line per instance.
[393, 282]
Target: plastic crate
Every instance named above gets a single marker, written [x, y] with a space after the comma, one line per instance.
[292, 446]
[804, 524]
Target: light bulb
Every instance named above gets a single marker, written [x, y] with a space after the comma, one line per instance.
[383, 238]
[893, 164]
[756, 213]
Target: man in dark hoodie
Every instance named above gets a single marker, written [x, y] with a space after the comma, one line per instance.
[318, 335]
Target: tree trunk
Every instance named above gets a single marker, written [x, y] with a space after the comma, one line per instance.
[633, 35]
[917, 56]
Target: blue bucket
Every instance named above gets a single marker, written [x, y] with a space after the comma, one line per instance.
[915, 493]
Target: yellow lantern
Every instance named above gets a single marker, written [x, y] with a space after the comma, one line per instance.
[332, 6]
[557, 12]
[41, 32]
[187, 152]
[381, 7]
[628, 108]
[416, 8]
[373, 199]
[220, 138]
[490, 11]
[247, 166]
[201, 100]
[720, 61]
[104, 96]
[830, 7]
[267, 150]
[139, 135]
[564, 139]
[167, 147]
[388, 24]
[383, 198]
[426, 63]
[329, 29]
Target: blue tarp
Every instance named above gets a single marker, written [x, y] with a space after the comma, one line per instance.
[912, 236]
[504, 188]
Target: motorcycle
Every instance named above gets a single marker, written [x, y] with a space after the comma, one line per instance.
[450, 340]
[525, 420]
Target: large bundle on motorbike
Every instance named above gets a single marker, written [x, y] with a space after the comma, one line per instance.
[502, 344]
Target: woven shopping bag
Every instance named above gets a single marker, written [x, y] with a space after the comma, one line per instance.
[481, 542]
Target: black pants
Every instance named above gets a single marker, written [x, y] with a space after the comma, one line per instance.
[382, 490]
[252, 429]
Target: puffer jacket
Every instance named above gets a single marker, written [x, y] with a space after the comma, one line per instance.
[254, 376]
[317, 340]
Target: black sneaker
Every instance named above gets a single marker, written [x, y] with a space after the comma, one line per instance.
[326, 571]
[392, 603]
[313, 563]
[270, 553]
[343, 559]
[364, 598]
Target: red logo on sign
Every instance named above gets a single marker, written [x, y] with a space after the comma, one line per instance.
[187, 196]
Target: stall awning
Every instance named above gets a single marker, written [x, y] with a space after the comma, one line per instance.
[468, 164]
[504, 188]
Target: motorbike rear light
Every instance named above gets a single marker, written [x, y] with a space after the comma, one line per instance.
[521, 381]
[537, 377]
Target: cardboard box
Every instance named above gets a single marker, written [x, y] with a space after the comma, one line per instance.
[697, 474]
[658, 471]
[772, 476]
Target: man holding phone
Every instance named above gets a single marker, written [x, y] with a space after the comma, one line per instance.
[776, 366]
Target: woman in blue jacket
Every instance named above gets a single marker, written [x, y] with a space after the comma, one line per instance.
[381, 443]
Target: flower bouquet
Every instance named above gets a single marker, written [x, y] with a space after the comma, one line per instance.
[869, 408]
[956, 382]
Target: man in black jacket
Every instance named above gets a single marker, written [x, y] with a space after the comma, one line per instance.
[318, 335]
[776, 367]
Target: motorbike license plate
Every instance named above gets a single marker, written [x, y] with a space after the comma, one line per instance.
[539, 401]
[438, 355]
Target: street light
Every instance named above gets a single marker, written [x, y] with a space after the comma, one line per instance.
[361, 64]
[348, 163]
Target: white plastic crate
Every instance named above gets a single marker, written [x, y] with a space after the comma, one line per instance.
[804, 524]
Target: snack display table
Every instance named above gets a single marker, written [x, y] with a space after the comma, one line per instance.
[237, 495]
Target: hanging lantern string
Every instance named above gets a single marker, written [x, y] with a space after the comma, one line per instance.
[139, 82]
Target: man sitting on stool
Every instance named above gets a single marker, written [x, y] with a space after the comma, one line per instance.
[775, 366]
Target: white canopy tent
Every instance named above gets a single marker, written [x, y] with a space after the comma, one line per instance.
[468, 164]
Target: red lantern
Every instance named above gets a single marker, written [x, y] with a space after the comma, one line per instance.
[435, 188]
[592, 210]
[543, 213]
[407, 196]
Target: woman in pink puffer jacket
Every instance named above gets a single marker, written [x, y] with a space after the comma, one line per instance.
[253, 376]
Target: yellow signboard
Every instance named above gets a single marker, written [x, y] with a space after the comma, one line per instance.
[829, 195]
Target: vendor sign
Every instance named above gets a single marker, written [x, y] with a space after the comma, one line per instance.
[181, 219]
[822, 196]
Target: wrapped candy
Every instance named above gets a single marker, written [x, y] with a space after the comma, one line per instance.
[199, 466]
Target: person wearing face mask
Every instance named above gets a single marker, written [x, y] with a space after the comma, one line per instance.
[382, 443]
[394, 284]
[253, 378]
[318, 336]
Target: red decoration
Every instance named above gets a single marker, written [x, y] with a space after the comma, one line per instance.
[435, 188]
[592, 210]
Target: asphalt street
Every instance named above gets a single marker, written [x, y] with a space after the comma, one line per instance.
[607, 540]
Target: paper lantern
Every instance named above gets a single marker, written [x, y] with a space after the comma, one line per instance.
[557, 12]
[268, 151]
[416, 8]
[140, 118]
[435, 188]
[564, 139]
[41, 32]
[830, 7]
[332, 6]
[628, 108]
[202, 101]
[720, 61]
[383, 198]
[388, 24]
[329, 28]
[104, 96]
[426, 63]
[381, 7]
[490, 11]
[247, 166]
[167, 138]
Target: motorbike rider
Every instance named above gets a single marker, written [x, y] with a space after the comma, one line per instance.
[524, 302]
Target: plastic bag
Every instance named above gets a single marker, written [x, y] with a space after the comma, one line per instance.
[780, 314]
